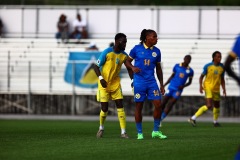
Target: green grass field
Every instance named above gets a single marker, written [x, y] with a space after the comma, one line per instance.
[46, 140]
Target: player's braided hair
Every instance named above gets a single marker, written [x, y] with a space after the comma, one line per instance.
[214, 54]
[144, 34]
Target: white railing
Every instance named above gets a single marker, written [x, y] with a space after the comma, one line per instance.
[40, 68]
[205, 22]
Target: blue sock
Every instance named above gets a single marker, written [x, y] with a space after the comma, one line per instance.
[139, 127]
[156, 124]
[163, 115]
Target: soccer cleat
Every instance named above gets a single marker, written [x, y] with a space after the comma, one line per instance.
[100, 133]
[193, 122]
[216, 124]
[140, 136]
[124, 135]
[158, 134]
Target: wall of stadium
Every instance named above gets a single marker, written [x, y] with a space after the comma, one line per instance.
[105, 21]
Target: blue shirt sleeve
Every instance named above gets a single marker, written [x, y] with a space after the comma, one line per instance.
[133, 52]
[205, 69]
[191, 73]
[102, 58]
[175, 68]
[236, 46]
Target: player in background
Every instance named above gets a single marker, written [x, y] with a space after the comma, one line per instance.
[109, 88]
[231, 57]
[181, 73]
[214, 78]
[147, 57]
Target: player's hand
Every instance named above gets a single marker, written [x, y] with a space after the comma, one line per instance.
[132, 83]
[224, 93]
[103, 83]
[162, 90]
[136, 69]
[181, 87]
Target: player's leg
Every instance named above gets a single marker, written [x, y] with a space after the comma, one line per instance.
[102, 97]
[156, 133]
[216, 109]
[172, 96]
[155, 96]
[153, 93]
[163, 105]
[138, 119]
[168, 108]
[140, 91]
[203, 109]
[121, 118]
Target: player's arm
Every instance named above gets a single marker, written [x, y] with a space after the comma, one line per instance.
[98, 73]
[223, 86]
[169, 79]
[128, 64]
[188, 83]
[229, 70]
[200, 83]
[160, 77]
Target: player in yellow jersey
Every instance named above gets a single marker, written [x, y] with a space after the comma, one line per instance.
[108, 68]
[214, 78]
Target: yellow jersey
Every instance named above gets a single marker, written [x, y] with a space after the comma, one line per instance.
[110, 64]
[213, 74]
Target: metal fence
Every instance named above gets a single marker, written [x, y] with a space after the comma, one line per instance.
[87, 105]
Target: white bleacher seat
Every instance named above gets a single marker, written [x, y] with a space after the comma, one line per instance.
[39, 52]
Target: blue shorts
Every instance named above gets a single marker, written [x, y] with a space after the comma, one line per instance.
[174, 93]
[146, 90]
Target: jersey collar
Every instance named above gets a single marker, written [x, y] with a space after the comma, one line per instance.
[146, 47]
[182, 66]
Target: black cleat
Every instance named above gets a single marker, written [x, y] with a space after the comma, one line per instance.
[193, 122]
[216, 124]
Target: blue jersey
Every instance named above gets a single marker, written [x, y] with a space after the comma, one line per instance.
[145, 59]
[236, 47]
[145, 85]
[180, 77]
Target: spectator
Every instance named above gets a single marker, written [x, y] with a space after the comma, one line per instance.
[80, 28]
[92, 47]
[1, 27]
[63, 28]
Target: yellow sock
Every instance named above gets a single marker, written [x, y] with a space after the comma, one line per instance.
[201, 111]
[122, 119]
[216, 112]
[102, 117]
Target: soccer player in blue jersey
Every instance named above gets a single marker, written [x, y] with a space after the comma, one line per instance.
[181, 73]
[214, 78]
[231, 57]
[108, 68]
[147, 57]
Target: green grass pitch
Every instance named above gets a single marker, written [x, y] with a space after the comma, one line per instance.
[70, 140]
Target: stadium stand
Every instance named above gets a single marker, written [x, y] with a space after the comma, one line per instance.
[37, 66]
[48, 60]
